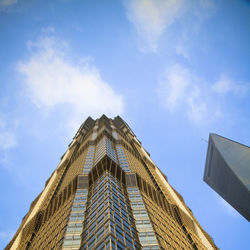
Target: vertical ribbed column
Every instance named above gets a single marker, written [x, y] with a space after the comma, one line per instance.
[114, 133]
[122, 158]
[143, 223]
[73, 232]
[89, 159]
[94, 135]
[120, 153]
[110, 149]
[105, 147]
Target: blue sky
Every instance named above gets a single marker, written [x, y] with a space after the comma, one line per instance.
[175, 70]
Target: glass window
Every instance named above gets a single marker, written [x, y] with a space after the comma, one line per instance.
[67, 242]
[101, 246]
[120, 246]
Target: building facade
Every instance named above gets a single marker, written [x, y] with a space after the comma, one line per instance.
[107, 193]
[227, 171]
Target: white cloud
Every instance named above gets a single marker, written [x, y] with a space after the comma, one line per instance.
[197, 108]
[182, 91]
[48, 30]
[77, 28]
[207, 4]
[5, 235]
[53, 79]
[175, 82]
[7, 137]
[7, 2]
[152, 17]
[7, 140]
[226, 207]
[225, 86]
[2, 124]
[188, 36]
[181, 50]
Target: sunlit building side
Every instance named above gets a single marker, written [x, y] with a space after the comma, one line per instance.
[107, 193]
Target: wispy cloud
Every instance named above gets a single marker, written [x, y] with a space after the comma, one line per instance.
[174, 84]
[152, 17]
[226, 207]
[188, 37]
[180, 90]
[77, 28]
[5, 235]
[7, 137]
[7, 2]
[226, 86]
[54, 78]
[181, 50]
[7, 140]
[207, 4]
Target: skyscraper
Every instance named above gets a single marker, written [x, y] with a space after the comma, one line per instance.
[107, 193]
[227, 171]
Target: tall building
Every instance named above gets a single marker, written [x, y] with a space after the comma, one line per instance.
[227, 171]
[107, 193]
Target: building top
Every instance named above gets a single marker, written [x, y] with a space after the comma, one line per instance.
[236, 155]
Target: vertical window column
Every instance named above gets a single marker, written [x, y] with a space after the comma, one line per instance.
[122, 158]
[110, 150]
[100, 150]
[114, 133]
[72, 238]
[94, 135]
[143, 224]
[105, 147]
[89, 160]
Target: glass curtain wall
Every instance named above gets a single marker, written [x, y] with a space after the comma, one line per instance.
[143, 223]
[109, 222]
[73, 232]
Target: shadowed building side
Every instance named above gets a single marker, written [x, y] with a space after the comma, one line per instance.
[227, 171]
